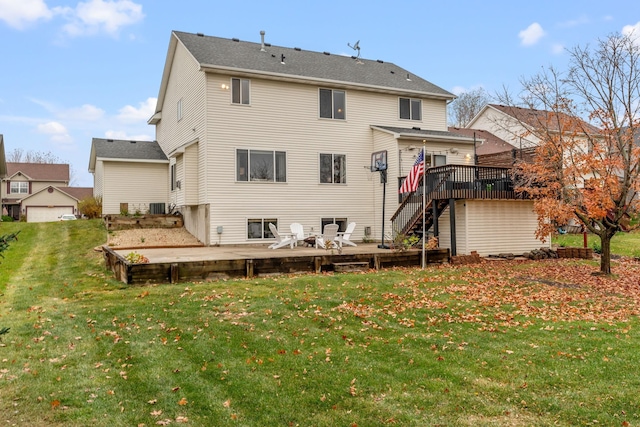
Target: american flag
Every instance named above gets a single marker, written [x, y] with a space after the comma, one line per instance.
[412, 180]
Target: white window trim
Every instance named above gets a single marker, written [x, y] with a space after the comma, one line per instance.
[410, 119]
[332, 104]
[240, 80]
[249, 180]
[332, 158]
[20, 184]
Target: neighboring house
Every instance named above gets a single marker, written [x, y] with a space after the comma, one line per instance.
[519, 126]
[129, 176]
[38, 191]
[3, 160]
[258, 134]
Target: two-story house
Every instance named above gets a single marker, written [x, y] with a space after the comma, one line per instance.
[258, 134]
[39, 192]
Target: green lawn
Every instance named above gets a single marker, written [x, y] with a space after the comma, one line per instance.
[626, 244]
[502, 343]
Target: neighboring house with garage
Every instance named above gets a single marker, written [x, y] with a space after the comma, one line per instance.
[39, 192]
[129, 176]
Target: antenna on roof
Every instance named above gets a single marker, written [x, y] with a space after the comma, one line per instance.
[356, 47]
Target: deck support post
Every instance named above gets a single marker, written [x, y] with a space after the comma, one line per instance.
[249, 268]
[452, 221]
[173, 273]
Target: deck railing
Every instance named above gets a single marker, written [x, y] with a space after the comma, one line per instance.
[453, 182]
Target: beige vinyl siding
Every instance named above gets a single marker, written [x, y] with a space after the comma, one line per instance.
[179, 191]
[502, 227]
[137, 184]
[191, 174]
[186, 82]
[39, 185]
[492, 227]
[504, 127]
[55, 198]
[303, 136]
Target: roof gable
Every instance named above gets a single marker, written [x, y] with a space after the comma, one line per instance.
[40, 171]
[118, 149]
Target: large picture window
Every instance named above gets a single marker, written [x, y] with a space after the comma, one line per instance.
[258, 228]
[19, 188]
[332, 104]
[261, 165]
[240, 91]
[333, 168]
[410, 109]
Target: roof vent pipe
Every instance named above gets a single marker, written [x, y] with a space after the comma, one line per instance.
[262, 49]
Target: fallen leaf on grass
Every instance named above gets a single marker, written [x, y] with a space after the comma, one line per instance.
[183, 401]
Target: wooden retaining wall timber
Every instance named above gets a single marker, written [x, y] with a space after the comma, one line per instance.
[128, 222]
[175, 272]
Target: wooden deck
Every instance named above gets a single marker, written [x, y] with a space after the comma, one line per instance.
[174, 265]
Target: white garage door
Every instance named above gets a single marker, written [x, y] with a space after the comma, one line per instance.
[44, 214]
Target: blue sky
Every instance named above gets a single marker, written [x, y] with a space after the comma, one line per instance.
[73, 70]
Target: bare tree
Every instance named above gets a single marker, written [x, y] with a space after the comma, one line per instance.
[18, 155]
[587, 164]
[466, 106]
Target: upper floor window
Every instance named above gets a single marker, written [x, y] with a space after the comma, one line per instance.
[333, 168]
[240, 91]
[410, 109]
[332, 104]
[261, 165]
[179, 110]
[20, 187]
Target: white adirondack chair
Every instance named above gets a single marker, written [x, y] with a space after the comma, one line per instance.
[281, 240]
[329, 234]
[297, 231]
[345, 238]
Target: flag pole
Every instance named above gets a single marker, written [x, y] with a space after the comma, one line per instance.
[424, 201]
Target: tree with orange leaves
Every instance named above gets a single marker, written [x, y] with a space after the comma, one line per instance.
[587, 137]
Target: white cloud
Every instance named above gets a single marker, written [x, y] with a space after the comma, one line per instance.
[117, 134]
[632, 31]
[531, 35]
[86, 112]
[130, 114]
[19, 14]
[557, 48]
[95, 16]
[56, 131]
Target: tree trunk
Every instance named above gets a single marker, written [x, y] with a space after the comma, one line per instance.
[605, 250]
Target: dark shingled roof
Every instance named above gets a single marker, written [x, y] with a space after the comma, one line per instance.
[241, 56]
[548, 119]
[40, 171]
[124, 149]
[78, 192]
